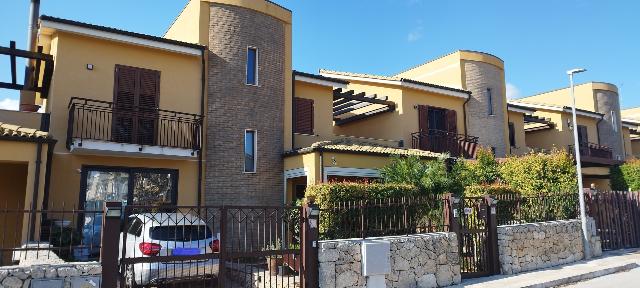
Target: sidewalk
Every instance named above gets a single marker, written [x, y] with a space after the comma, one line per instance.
[610, 262]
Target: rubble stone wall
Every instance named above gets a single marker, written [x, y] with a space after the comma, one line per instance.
[422, 260]
[533, 246]
[86, 274]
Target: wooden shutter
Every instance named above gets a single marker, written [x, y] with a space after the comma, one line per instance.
[303, 116]
[136, 96]
[124, 99]
[451, 121]
[512, 134]
[583, 135]
[423, 118]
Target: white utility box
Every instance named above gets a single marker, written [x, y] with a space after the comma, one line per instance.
[376, 257]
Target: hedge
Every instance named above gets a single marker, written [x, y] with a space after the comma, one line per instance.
[539, 173]
[327, 195]
[626, 176]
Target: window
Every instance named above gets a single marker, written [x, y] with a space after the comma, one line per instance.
[250, 151]
[303, 115]
[512, 134]
[614, 121]
[490, 101]
[137, 186]
[252, 66]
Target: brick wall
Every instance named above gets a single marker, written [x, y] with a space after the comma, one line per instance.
[608, 101]
[490, 129]
[234, 107]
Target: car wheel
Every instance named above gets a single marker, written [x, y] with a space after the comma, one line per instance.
[130, 278]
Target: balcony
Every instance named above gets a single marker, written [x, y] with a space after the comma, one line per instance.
[99, 127]
[439, 141]
[595, 153]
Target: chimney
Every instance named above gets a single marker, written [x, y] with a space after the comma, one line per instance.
[28, 98]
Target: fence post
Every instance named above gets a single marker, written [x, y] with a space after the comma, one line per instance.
[493, 235]
[222, 254]
[310, 230]
[110, 243]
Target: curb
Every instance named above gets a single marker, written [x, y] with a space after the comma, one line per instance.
[584, 276]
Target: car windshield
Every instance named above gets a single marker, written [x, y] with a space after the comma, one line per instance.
[181, 233]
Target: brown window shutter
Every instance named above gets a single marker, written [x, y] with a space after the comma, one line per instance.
[423, 118]
[451, 121]
[136, 97]
[303, 121]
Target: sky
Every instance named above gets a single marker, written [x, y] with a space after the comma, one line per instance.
[538, 39]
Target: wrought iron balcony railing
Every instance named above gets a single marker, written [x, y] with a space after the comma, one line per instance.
[594, 150]
[103, 121]
[457, 145]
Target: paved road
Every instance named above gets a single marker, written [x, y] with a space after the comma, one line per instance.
[626, 279]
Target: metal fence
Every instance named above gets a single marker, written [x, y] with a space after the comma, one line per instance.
[55, 234]
[382, 217]
[226, 246]
[516, 209]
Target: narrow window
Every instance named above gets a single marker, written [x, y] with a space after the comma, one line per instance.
[614, 121]
[490, 101]
[512, 134]
[250, 151]
[252, 66]
[303, 116]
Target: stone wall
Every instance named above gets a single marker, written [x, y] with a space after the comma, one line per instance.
[532, 246]
[422, 260]
[52, 275]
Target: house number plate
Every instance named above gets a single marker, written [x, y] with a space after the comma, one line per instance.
[467, 210]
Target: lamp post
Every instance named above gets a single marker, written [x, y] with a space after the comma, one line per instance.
[576, 147]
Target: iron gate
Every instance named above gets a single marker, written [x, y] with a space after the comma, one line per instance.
[230, 246]
[473, 220]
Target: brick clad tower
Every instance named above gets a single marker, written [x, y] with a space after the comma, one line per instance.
[235, 106]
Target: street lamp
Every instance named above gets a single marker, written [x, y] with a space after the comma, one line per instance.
[576, 147]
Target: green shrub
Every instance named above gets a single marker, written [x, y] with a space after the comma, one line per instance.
[383, 209]
[430, 177]
[495, 189]
[326, 195]
[626, 176]
[539, 173]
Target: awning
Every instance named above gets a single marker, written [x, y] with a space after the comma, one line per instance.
[349, 106]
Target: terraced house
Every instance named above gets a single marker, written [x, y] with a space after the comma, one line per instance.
[604, 135]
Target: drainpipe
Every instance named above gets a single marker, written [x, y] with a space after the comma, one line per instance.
[47, 173]
[598, 127]
[321, 165]
[28, 98]
[202, 138]
[464, 113]
[36, 188]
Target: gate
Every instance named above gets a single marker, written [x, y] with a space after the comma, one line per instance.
[617, 217]
[210, 246]
[473, 219]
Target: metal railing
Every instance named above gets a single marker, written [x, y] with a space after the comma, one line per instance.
[439, 141]
[382, 217]
[517, 209]
[589, 149]
[103, 121]
[54, 234]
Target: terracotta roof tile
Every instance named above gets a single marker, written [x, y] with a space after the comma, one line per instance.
[11, 130]
[351, 145]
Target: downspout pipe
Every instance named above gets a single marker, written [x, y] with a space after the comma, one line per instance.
[36, 189]
[598, 127]
[464, 113]
[203, 83]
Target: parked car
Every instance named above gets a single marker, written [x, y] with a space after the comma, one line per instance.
[168, 234]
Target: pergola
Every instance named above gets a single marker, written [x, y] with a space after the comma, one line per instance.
[349, 106]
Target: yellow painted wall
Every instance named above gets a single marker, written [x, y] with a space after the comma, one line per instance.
[560, 136]
[521, 142]
[192, 25]
[180, 78]
[13, 178]
[24, 119]
[585, 95]
[446, 70]
[398, 125]
[66, 177]
[635, 148]
[322, 97]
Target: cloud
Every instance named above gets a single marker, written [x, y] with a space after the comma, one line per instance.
[513, 92]
[415, 34]
[9, 104]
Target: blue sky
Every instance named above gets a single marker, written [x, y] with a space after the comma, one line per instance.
[539, 40]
